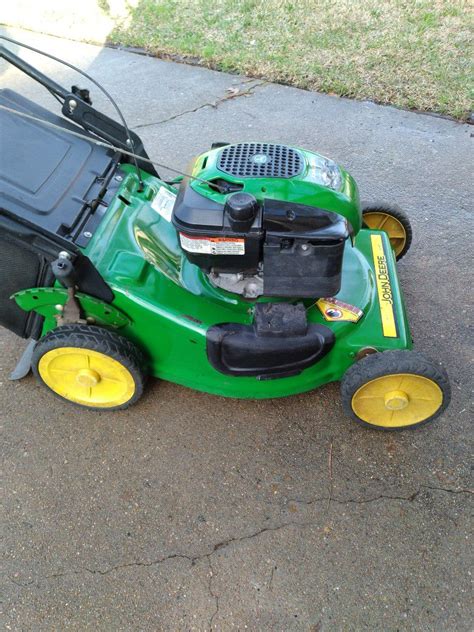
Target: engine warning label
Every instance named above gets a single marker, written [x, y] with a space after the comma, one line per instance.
[212, 245]
[384, 288]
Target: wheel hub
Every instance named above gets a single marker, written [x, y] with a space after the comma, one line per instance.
[87, 377]
[396, 400]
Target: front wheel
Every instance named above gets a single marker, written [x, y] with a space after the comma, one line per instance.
[90, 366]
[395, 390]
[394, 221]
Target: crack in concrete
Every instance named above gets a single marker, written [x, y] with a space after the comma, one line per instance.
[352, 501]
[363, 501]
[226, 543]
[209, 104]
[20, 584]
[270, 583]
[212, 593]
[160, 560]
[192, 559]
[462, 490]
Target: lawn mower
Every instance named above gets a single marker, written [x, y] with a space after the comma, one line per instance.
[255, 274]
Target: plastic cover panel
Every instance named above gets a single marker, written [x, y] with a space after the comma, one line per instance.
[45, 174]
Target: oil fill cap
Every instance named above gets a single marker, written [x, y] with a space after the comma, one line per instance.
[241, 209]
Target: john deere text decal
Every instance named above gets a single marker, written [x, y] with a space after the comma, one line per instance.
[384, 288]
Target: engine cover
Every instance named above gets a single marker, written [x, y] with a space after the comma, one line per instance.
[246, 223]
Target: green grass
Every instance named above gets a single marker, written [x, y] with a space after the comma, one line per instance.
[409, 53]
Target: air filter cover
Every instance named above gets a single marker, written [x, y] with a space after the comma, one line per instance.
[260, 160]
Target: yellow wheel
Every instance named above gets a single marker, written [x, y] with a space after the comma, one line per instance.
[90, 366]
[395, 390]
[391, 219]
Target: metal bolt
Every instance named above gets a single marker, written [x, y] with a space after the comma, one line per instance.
[119, 178]
[365, 351]
[64, 255]
[72, 103]
[87, 234]
[251, 290]
[304, 247]
[58, 308]
[129, 143]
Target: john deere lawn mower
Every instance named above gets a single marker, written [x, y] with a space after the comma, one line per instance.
[255, 275]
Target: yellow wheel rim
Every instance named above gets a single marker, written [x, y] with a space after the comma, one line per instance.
[378, 220]
[394, 401]
[86, 377]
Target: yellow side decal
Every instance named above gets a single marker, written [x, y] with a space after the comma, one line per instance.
[384, 288]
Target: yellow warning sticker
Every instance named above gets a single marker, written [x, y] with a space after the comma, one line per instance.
[333, 310]
[384, 288]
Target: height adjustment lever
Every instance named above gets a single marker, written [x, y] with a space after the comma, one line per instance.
[63, 270]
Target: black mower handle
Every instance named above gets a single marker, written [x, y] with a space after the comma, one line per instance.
[33, 72]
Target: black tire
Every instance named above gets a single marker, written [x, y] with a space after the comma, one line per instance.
[393, 210]
[394, 363]
[100, 340]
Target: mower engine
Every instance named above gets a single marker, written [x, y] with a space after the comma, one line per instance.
[257, 220]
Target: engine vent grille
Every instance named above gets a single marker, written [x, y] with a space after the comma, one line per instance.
[260, 160]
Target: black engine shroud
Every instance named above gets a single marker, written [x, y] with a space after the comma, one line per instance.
[300, 247]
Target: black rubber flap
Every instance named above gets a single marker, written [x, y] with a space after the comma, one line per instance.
[20, 268]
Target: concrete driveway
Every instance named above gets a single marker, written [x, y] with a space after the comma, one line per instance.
[193, 512]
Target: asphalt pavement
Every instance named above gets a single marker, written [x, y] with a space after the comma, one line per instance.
[194, 512]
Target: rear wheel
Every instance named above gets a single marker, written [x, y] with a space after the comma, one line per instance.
[395, 390]
[90, 366]
[394, 221]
